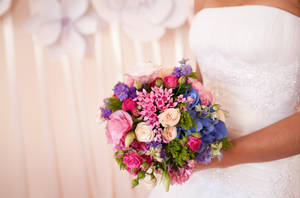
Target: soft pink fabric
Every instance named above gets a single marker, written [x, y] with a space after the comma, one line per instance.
[204, 95]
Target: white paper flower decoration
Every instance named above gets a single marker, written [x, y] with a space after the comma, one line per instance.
[143, 20]
[62, 26]
[4, 6]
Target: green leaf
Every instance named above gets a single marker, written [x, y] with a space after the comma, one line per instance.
[193, 75]
[141, 175]
[119, 160]
[226, 143]
[114, 104]
[122, 166]
[134, 183]
[119, 152]
[182, 89]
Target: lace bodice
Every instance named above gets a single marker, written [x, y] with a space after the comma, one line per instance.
[252, 64]
[250, 59]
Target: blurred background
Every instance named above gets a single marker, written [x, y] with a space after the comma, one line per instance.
[58, 60]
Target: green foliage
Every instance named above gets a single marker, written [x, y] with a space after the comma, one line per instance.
[114, 104]
[179, 153]
[186, 120]
[193, 75]
[182, 89]
[141, 175]
[134, 183]
[226, 143]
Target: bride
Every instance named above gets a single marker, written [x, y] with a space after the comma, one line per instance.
[249, 55]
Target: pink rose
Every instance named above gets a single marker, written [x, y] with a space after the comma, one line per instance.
[194, 143]
[171, 81]
[119, 123]
[204, 95]
[132, 160]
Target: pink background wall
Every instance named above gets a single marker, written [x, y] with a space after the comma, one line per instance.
[50, 145]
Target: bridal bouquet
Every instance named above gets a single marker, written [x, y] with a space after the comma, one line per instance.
[162, 124]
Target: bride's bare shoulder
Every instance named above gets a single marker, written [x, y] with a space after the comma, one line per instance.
[292, 6]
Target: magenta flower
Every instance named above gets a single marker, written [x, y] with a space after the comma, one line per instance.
[194, 143]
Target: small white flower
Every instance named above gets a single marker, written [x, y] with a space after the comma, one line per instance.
[143, 132]
[169, 117]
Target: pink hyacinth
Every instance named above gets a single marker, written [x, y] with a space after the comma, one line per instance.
[182, 174]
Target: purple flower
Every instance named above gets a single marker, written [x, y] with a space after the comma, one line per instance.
[132, 93]
[153, 144]
[121, 90]
[163, 153]
[105, 112]
[184, 61]
[204, 157]
[183, 70]
[177, 72]
[186, 70]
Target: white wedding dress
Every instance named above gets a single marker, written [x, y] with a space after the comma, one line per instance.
[250, 58]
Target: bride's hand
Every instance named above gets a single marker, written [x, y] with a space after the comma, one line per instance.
[276, 141]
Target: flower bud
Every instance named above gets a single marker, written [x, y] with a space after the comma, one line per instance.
[166, 180]
[129, 138]
[137, 85]
[181, 80]
[159, 82]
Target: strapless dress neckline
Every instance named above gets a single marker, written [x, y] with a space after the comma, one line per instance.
[252, 6]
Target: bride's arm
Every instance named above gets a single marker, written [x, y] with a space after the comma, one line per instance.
[277, 141]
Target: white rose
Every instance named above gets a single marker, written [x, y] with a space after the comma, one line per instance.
[169, 117]
[169, 133]
[149, 182]
[143, 132]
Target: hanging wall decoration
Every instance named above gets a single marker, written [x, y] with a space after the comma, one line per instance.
[63, 26]
[4, 6]
[143, 20]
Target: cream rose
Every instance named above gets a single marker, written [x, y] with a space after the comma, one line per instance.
[143, 132]
[169, 133]
[169, 117]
